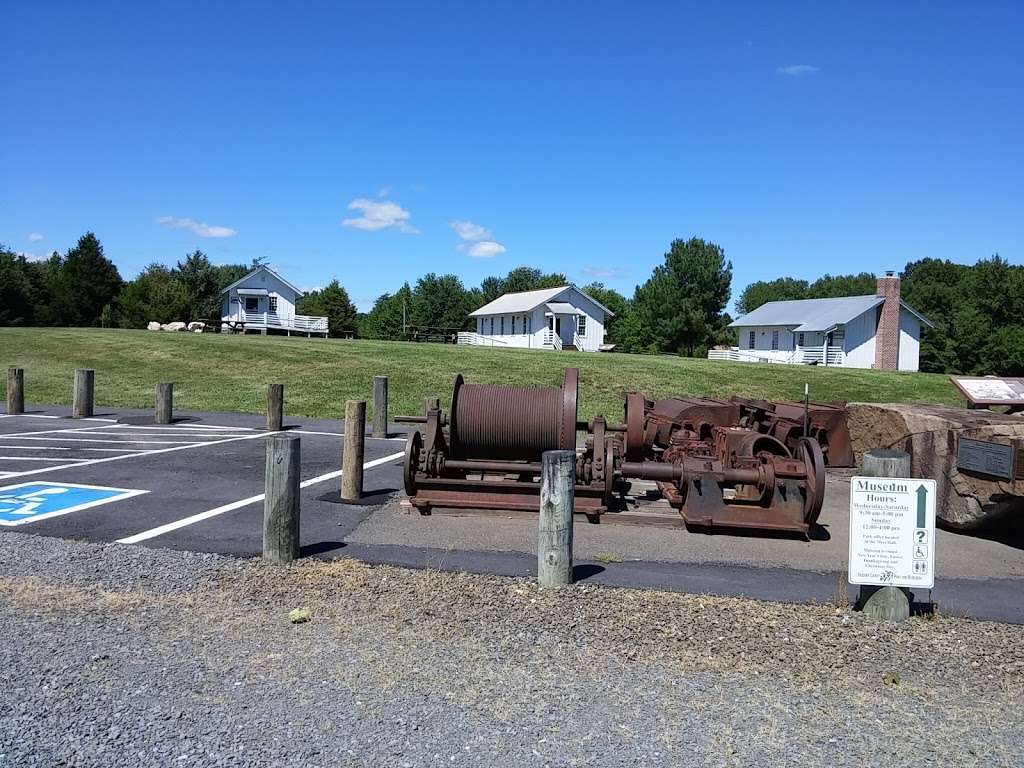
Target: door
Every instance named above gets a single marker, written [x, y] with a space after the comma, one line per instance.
[566, 330]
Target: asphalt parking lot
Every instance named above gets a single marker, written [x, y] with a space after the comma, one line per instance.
[197, 485]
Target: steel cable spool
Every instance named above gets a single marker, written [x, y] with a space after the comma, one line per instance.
[512, 423]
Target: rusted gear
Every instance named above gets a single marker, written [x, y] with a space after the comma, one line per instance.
[809, 450]
[635, 407]
[413, 446]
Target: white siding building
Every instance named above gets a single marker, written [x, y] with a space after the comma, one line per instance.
[880, 331]
[563, 318]
[264, 301]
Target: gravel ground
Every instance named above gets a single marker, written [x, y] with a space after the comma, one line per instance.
[117, 656]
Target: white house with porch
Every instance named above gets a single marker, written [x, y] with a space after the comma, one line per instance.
[878, 331]
[563, 318]
[263, 301]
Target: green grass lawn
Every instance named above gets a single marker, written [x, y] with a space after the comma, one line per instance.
[231, 373]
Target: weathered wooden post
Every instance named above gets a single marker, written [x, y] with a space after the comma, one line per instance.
[82, 406]
[281, 499]
[164, 402]
[15, 390]
[380, 406]
[883, 462]
[275, 407]
[352, 457]
[557, 496]
[885, 603]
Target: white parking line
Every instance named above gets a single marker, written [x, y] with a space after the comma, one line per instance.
[89, 462]
[43, 416]
[28, 458]
[66, 448]
[187, 521]
[121, 442]
[69, 430]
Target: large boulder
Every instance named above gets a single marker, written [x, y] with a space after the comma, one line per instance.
[175, 326]
[930, 434]
[196, 327]
[154, 326]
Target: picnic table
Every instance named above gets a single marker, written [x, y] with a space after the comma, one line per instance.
[217, 325]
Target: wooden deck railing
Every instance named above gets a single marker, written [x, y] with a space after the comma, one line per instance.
[303, 323]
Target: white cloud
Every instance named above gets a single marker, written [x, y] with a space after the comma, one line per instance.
[596, 271]
[197, 227]
[34, 256]
[467, 230]
[383, 191]
[34, 237]
[796, 70]
[379, 214]
[486, 249]
[483, 244]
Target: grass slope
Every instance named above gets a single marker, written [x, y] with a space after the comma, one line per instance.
[231, 373]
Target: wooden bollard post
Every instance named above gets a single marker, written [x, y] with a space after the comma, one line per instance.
[886, 463]
[82, 405]
[15, 390]
[380, 406]
[557, 496]
[275, 407]
[352, 457]
[885, 603]
[164, 400]
[281, 500]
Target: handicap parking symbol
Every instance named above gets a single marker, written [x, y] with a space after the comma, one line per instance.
[31, 502]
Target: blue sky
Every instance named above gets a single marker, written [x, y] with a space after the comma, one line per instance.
[374, 142]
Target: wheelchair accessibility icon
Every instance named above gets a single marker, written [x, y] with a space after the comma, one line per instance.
[31, 502]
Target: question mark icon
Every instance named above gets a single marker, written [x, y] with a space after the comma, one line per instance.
[920, 536]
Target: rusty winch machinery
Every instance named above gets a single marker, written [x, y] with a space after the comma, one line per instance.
[722, 463]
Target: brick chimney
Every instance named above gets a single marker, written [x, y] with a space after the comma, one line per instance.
[887, 338]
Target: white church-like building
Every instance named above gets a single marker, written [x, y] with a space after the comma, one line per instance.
[562, 318]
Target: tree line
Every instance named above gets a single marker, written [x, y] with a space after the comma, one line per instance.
[978, 310]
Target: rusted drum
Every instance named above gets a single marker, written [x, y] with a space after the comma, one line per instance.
[513, 423]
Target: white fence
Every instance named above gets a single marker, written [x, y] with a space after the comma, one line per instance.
[475, 339]
[801, 355]
[815, 355]
[301, 323]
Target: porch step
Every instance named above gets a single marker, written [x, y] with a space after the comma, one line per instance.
[569, 348]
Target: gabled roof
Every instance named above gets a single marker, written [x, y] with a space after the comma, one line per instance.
[815, 314]
[267, 269]
[527, 301]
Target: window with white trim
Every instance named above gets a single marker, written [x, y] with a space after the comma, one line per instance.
[502, 325]
[775, 339]
[581, 325]
[800, 339]
[272, 301]
[492, 326]
[750, 340]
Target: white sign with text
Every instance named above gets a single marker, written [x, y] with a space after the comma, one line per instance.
[892, 532]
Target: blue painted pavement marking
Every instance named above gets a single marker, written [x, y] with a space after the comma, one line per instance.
[29, 502]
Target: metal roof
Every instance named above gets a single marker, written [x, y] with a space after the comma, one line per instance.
[264, 268]
[561, 308]
[526, 301]
[809, 314]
